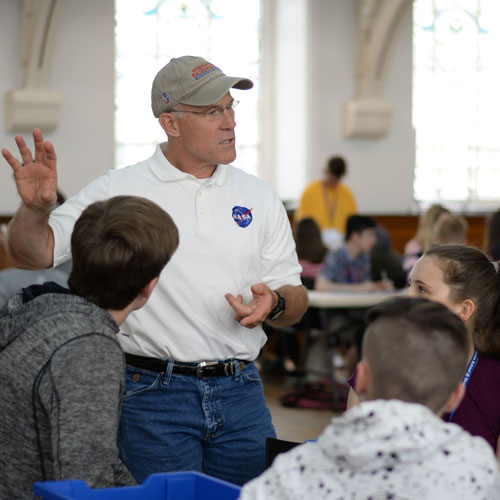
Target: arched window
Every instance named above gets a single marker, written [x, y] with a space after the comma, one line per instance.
[456, 101]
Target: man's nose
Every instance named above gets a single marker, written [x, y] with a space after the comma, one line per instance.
[227, 120]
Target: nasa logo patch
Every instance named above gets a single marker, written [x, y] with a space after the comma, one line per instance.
[242, 216]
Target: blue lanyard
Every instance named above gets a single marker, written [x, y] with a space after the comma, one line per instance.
[468, 374]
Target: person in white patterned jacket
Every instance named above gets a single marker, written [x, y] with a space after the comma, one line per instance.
[394, 445]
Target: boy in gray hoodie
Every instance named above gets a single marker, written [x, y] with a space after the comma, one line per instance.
[61, 365]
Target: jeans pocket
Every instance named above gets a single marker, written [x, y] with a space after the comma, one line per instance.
[251, 374]
[138, 381]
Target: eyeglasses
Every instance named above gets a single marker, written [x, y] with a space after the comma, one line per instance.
[214, 113]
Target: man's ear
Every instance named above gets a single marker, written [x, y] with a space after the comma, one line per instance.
[170, 124]
[363, 384]
[467, 309]
[454, 400]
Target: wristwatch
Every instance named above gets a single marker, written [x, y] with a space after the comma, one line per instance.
[278, 310]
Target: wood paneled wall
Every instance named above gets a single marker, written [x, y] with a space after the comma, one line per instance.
[403, 227]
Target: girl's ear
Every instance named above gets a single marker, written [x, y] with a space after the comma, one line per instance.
[467, 309]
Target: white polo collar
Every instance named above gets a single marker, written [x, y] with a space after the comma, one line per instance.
[166, 172]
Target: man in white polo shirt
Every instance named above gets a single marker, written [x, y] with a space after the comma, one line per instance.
[194, 398]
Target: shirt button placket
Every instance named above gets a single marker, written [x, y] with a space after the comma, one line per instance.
[202, 210]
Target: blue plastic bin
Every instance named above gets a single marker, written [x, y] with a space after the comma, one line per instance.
[166, 486]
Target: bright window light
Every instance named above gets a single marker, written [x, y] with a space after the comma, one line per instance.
[456, 103]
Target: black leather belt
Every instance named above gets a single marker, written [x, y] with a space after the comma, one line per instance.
[201, 370]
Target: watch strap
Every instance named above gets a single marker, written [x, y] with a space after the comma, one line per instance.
[278, 310]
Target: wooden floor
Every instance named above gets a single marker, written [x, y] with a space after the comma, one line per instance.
[292, 424]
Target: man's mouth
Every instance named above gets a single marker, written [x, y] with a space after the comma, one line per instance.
[227, 141]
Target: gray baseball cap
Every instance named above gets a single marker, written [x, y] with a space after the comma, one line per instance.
[191, 80]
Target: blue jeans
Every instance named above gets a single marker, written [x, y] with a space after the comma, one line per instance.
[173, 422]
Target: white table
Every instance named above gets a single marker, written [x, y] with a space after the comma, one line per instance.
[324, 301]
[348, 300]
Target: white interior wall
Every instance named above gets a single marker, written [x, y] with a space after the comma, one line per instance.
[380, 171]
[83, 70]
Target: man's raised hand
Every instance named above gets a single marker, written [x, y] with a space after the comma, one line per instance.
[36, 178]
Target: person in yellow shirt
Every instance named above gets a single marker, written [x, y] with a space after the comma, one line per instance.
[329, 202]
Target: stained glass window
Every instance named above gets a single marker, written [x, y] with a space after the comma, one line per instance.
[148, 33]
[456, 101]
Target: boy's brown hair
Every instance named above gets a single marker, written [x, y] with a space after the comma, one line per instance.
[118, 246]
[416, 350]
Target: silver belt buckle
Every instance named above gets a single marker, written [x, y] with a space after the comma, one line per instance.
[200, 366]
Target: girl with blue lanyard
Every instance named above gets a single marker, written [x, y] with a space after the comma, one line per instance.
[463, 279]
